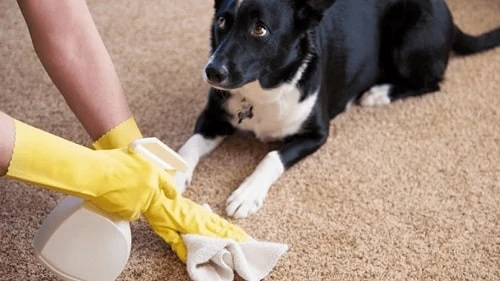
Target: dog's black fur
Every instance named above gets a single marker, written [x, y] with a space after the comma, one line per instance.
[349, 46]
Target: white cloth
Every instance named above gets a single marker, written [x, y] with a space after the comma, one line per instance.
[215, 259]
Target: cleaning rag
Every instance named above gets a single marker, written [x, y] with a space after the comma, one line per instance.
[215, 259]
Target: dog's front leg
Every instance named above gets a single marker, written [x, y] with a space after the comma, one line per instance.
[250, 195]
[212, 127]
[196, 147]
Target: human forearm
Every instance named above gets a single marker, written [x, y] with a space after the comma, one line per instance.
[74, 56]
[6, 141]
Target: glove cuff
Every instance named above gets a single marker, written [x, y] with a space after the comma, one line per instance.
[120, 136]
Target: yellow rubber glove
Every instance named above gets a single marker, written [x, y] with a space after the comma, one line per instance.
[172, 215]
[185, 216]
[117, 181]
[120, 136]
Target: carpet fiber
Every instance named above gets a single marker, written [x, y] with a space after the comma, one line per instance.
[409, 191]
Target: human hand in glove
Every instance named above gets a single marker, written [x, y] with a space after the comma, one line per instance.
[172, 215]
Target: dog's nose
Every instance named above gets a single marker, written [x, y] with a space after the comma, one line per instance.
[216, 73]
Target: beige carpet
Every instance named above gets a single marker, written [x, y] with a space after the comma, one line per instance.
[410, 191]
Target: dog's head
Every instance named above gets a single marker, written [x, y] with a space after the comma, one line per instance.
[254, 40]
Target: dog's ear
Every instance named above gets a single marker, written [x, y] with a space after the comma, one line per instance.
[310, 12]
[320, 5]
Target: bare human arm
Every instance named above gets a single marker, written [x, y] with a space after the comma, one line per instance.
[72, 52]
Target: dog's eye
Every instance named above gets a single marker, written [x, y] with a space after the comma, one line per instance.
[221, 22]
[259, 31]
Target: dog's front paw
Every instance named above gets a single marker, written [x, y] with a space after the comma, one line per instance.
[247, 199]
[183, 180]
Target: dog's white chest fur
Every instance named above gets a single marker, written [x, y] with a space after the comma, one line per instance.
[269, 114]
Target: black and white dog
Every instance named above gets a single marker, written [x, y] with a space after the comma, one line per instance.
[282, 69]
